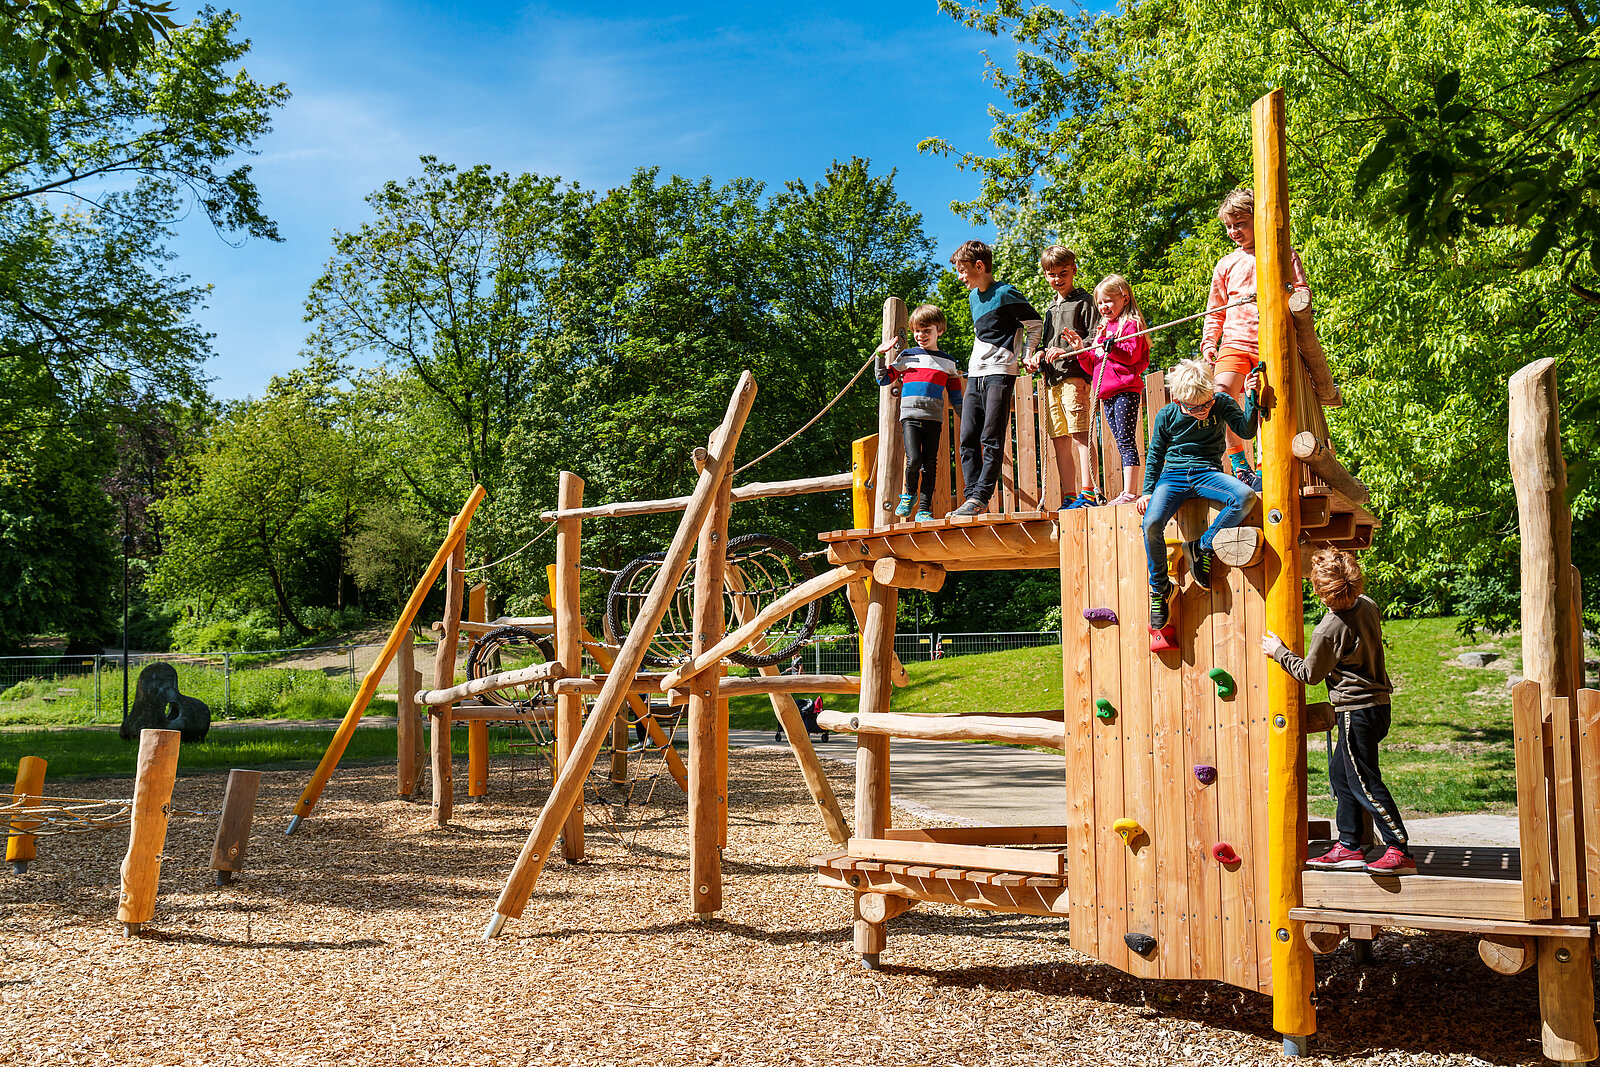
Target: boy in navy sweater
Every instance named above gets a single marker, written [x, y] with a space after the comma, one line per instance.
[1000, 315]
[927, 375]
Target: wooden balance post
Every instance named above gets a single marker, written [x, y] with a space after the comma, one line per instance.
[233, 827]
[21, 847]
[147, 836]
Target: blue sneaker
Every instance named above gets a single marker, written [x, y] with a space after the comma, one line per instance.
[924, 516]
[1084, 499]
[903, 508]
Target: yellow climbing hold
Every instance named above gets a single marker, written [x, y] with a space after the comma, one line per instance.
[1127, 829]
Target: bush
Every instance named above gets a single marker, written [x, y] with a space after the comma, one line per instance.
[23, 690]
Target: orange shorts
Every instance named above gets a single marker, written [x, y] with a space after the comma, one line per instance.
[1235, 361]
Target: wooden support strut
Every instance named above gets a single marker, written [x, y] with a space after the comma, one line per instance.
[408, 719]
[643, 683]
[773, 684]
[369, 684]
[564, 600]
[1293, 1014]
[147, 834]
[707, 752]
[824, 483]
[1006, 729]
[569, 783]
[233, 827]
[537, 672]
[1316, 455]
[444, 673]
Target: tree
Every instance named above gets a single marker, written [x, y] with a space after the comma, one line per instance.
[72, 44]
[1127, 129]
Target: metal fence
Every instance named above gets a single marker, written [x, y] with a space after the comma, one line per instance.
[64, 689]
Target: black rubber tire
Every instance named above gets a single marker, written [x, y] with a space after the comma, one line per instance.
[824, 737]
[617, 604]
[483, 650]
[778, 736]
[801, 569]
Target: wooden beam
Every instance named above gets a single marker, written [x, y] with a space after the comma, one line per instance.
[1507, 954]
[798, 597]
[568, 788]
[904, 574]
[1418, 894]
[707, 754]
[1023, 861]
[891, 445]
[769, 684]
[408, 720]
[536, 672]
[880, 907]
[641, 710]
[1539, 473]
[1312, 357]
[1239, 546]
[825, 483]
[981, 835]
[872, 751]
[1007, 729]
[1446, 923]
[1566, 999]
[856, 595]
[1533, 812]
[1293, 1013]
[1314, 454]
[565, 594]
[369, 685]
[984, 896]
[591, 684]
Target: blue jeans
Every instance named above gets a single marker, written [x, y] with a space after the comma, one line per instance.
[1172, 489]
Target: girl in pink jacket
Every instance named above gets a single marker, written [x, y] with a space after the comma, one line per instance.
[1116, 364]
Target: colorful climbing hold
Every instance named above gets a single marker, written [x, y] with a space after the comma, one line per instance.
[1127, 829]
[1205, 773]
[1223, 853]
[1103, 709]
[1143, 944]
[1164, 639]
[1099, 614]
[1224, 680]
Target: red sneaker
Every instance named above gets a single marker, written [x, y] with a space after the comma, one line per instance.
[1339, 858]
[1394, 862]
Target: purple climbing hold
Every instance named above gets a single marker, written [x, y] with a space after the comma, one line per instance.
[1205, 773]
[1100, 615]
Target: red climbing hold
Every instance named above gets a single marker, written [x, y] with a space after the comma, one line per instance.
[1223, 853]
[1164, 639]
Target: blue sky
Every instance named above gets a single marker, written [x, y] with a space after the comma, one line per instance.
[767, 91]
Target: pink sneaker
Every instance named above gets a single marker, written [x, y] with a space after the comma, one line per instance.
[1123, 498]
[1339, 858]
[1393, 862]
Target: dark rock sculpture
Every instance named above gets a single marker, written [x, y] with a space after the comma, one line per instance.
[157, 705]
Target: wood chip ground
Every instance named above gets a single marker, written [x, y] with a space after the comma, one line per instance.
[358, 941]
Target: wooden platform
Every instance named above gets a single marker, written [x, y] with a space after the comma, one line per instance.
[970, 887]
[1482, 883]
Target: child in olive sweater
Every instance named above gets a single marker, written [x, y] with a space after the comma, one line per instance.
[1346, 649]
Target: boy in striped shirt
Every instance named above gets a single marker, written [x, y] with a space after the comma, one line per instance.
[927, 375]
[1005, 328]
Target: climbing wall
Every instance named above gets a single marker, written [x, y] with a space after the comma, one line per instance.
[1138, 724]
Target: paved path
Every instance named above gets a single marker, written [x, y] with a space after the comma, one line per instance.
[998, 785]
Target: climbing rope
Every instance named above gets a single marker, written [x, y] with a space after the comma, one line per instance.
[52, 816]
[518, 552]
[1247, 299]
[826, 408]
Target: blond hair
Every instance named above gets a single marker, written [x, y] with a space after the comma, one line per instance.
[1336, 578]
[1238, 202]
[1190, 382]
[1057, 256]
[928, 315]
[1116, 283]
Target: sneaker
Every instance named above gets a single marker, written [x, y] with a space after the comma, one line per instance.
[1123, 498]
[970, 507]
[903, 508]
[1158, 610]
[1393, 862]
[1199, 563]
[1339, 858]
[1084, 499]
[924, 515]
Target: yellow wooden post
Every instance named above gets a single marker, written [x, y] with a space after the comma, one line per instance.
[1292, 969]
[21, 849]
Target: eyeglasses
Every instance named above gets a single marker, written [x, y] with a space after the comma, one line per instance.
[1194, 409]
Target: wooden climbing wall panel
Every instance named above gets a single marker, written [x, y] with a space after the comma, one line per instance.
[1208, 919]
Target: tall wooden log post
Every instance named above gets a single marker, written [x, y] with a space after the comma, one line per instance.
[1292, 967]
[1552, 655]
[708, 752]
[568, 788]
[569, 649]
[408, 719]
[444, 676]
[891, 446]
[147, 836]
[872, 750]
[232, 842]
[21, 848]
[369, 684]
[477, 729]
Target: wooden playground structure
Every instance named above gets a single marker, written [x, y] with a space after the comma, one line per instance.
[1169, 864]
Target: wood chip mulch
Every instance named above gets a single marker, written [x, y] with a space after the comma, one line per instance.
[358, 941]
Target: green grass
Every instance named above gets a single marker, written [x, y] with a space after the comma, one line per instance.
[102, 754]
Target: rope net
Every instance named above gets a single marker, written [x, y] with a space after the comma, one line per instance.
[50, 816]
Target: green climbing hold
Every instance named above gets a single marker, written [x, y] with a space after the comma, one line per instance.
[1103, 709]
[1224, 680]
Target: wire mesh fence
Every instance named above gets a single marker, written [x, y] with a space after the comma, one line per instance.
[319, 682]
